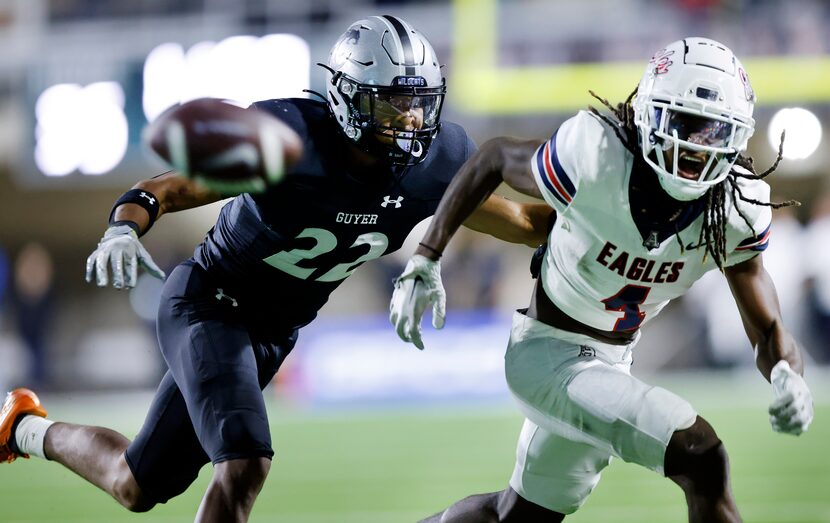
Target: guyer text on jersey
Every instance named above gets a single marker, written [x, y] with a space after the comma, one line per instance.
[356, 219]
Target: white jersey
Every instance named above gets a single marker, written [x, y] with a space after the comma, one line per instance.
[596, 268]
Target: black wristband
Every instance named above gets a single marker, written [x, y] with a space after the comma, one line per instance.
[427, 247]
[144, 199]
[129, 223]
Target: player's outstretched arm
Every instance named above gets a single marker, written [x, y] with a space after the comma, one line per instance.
[511, 221]
[498, 160]
[757, 301]
[419, 286]
[133, 215]
[173, 193]
[777, 354]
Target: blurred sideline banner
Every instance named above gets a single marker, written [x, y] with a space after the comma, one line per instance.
[482, 86]
[340, 361]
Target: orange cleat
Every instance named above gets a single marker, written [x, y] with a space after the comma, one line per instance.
[18, 402]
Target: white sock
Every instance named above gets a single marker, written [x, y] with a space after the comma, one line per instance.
[30, 433]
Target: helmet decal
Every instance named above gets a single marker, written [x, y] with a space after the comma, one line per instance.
[662, 61]
[748, 90]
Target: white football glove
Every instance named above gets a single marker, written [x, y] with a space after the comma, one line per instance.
[121, 248]
[416, 288]
[791, 412]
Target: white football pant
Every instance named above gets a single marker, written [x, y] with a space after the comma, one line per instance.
[582, 407]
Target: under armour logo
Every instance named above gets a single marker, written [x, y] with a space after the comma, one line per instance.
[221, 294]
[149, 198]
[388, 199]
[587, 352]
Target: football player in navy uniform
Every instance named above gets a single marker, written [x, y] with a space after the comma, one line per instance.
[646, 203]
[374, 165]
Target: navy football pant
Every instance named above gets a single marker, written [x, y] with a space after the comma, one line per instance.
[209, 406]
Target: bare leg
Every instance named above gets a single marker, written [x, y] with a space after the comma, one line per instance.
[435, 518]
[233, 490]
[476, 508]
[505, 506]
[97, 455]
[696, 460]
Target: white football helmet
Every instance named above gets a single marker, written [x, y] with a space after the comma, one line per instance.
[693, 112]
[385, 89]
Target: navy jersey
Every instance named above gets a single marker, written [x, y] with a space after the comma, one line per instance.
[291, 246]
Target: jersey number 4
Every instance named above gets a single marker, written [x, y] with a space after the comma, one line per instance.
[628, 300]
[325, 241]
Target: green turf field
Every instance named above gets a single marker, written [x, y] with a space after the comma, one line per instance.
[399, 465]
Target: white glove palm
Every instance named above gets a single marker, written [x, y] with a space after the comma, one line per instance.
[415, 289]
[121, 249]
[791, 412]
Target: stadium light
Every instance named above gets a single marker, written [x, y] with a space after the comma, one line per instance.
[80, 128]
[243, 69]
[803, 132]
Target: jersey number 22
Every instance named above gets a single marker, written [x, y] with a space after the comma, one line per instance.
[326, 241]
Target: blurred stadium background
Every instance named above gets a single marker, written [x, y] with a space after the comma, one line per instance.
[366, 428]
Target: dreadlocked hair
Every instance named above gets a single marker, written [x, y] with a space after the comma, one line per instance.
[713, 232]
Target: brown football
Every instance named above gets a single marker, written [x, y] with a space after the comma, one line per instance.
[229, 148]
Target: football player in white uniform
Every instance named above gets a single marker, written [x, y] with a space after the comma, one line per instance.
[644, 205]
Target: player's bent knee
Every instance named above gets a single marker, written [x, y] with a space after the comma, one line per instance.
[242, 474]
[126, 491]
[136, 503]
[513, 508]
[696, 457]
